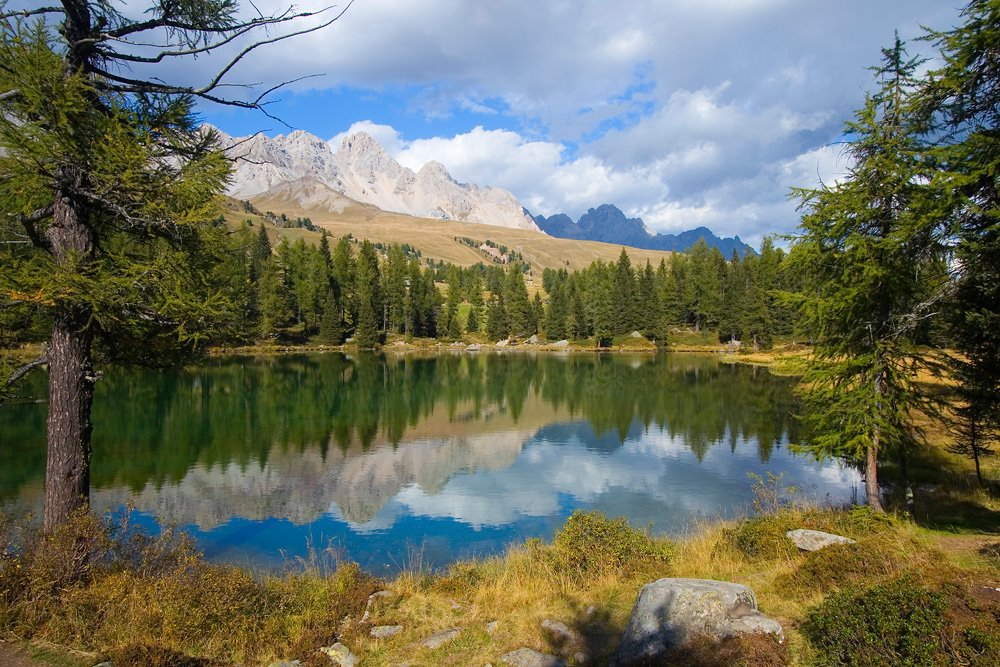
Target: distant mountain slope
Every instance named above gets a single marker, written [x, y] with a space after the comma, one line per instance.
[608, 224]
[361, 170]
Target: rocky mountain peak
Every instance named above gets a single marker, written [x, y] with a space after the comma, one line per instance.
[362, 170]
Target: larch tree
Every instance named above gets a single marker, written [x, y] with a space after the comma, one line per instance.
[108, 185]
[863, 244]
[959, 103]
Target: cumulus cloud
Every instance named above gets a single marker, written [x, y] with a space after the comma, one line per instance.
[687, 112]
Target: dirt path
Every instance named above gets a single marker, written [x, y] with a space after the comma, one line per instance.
[15, 656]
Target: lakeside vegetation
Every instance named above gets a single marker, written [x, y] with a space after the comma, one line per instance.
[153, 601]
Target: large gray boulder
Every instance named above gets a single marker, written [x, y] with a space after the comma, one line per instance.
[814, 540]
[668, 612]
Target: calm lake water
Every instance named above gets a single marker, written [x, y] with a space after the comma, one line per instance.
[392, 460]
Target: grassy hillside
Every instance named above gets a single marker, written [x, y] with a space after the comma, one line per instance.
[435, 239]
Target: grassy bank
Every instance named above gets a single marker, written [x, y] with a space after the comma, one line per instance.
[99, 591]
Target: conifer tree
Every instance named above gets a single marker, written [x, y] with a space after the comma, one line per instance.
[105, 174]
[368, 297]
[623, 296]
[857, 253]
[959, 104]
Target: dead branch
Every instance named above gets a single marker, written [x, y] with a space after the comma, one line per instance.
[27, 368]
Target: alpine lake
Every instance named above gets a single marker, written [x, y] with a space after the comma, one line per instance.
[404, 461]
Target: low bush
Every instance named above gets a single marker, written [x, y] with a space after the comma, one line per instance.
[755, 650]
[763, 537]
[590, 542]
[896, 622]
[878, 556]
[98, 585]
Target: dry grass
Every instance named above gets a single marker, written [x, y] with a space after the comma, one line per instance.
[156, 602]
[437, 239]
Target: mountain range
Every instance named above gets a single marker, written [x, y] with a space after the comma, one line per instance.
[607, 223]
[303, 167]
[309, 172]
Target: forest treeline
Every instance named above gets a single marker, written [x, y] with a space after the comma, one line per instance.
[344, 290]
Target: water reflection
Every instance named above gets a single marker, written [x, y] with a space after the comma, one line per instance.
[457, 454]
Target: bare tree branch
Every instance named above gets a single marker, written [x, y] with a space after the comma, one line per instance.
[25, 13]
[29, 221]
[280, 38]
[27, 368]
[166, 22]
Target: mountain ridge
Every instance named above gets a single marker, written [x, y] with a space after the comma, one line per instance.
[608, 224]
[363, 171]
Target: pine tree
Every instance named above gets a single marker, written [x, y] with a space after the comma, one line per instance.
[623, 296]
[959, 104]
[331, 328]
[497, 326]
[104, 171]
[368, 297]
[860, 253]
[515, 297]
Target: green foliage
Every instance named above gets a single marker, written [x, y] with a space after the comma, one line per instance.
[591, 543]
[892, 623]
[866, 256]
[763, 537]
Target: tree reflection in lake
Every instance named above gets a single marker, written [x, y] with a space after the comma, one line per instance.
[459, 453]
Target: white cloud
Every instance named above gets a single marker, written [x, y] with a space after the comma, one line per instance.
[387, 136]
[687, 112]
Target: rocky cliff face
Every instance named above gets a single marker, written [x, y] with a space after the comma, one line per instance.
[300, 164]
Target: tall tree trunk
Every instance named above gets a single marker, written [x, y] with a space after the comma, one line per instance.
[71, 393]
[871, 477]
[71, 379]
[871, 454]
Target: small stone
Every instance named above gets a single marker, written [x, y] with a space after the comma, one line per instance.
[340, 655]
[527, 657]
[635, 334]
[814, 540]
[383, 631]
[569, 642]
[440, 638]
[106, 663]
[491, 627]
[455, 606]
[371, 599]
[533, 340]
[560, 344]
[276, 663]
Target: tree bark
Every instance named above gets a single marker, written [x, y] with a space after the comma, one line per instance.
[71, 379]
[871, 454]
[871, 477]
[71, 393]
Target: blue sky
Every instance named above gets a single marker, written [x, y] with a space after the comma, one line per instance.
[683, 112]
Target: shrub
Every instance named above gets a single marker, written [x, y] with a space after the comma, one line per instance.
[591, 542]
[762, 537]
[878, 556]
[897, 622]
[754, 650]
